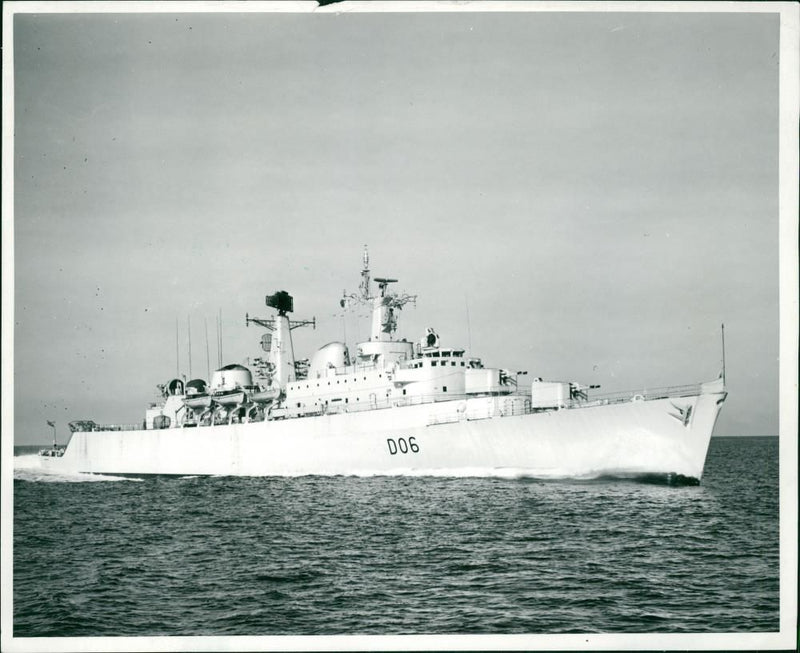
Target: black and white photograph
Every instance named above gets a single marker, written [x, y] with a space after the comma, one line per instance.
[399, 326]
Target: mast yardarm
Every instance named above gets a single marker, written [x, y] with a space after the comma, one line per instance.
[281, 349]
[385, 303]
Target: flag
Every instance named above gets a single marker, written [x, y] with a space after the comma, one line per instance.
[53, 424]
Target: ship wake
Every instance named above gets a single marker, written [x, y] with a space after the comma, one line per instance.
[669, 479]
[29, 468]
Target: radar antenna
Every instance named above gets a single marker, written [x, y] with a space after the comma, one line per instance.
[281, 368]
[384, 304]
[284, 302]
[364, 294]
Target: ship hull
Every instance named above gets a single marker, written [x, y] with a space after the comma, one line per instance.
[467, 437]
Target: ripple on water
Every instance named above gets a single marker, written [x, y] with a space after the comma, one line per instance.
[183, 556]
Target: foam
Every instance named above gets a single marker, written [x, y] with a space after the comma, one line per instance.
[29, 467]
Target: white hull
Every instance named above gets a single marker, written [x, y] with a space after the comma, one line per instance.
[459, 437]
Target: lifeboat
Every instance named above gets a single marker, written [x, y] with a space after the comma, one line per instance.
[265, 396]
[229, 397]
[229, 385]
[197, 396]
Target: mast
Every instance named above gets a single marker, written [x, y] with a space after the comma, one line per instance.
[281, 350]
[364, 285]
[384, 304]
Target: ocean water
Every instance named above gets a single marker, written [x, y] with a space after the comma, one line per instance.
[399, 555]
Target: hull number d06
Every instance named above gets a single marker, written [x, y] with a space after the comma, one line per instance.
[402, 445]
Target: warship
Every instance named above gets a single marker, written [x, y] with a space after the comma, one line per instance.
[395, 406]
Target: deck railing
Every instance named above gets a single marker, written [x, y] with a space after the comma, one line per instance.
[516, 403]
[647, 394]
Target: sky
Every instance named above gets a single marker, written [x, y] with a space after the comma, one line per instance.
[584, 196]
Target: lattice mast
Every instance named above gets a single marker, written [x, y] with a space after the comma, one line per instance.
[385, 304]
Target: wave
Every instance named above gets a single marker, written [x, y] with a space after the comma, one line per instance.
[461, 472]
[512, 473]
[28, 467]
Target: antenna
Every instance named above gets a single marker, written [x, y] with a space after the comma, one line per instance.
[384, 304]
[383, 283]
[189, 328]
[208, 360]
[284, 303]
[177, 351]
[344, 320]
[723, 353]
[469, 332]
[364, 286]
[219, 339]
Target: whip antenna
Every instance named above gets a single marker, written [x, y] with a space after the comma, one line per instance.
[177, 351]
[723, 353]
[189, 330]
[208, 360]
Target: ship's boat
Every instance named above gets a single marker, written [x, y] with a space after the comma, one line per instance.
[197, 397]
[397, 406]
[265, 395]
[198, 402]
[52, 452]
[230, 384]
[229, 397]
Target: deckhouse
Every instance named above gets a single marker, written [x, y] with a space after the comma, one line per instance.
[383, 372]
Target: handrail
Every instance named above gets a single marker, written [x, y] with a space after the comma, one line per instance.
[646, 394]
[118, 427]
[505, 411]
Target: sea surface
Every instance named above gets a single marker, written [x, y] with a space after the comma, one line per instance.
[98, 555]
